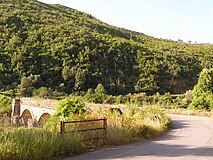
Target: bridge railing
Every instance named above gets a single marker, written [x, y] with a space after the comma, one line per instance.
[82, 126]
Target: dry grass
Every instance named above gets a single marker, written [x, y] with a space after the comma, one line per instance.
[25, 144]
[134, 124]
[191, 112]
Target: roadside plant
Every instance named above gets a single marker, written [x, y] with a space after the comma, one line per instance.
[203, 91]
[70, 106]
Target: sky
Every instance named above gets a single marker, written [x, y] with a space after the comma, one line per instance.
[188, 20]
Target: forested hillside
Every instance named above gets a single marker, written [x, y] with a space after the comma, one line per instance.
[60, 48]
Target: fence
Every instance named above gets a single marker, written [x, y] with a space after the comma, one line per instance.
[103, 128]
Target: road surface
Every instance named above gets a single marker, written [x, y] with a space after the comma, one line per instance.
[190, 139]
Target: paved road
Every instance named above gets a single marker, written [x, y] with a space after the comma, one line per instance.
[190, 139]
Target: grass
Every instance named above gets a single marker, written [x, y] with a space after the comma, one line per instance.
[25, 144]
[133, 125]
[191, 112]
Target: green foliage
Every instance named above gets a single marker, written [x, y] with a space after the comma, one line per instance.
[52, 123]
[205, 83]
[187, 99]
[99, 96]
[43, 92]
[140, 99]
[27, 84]
[203, 91]
[204, 101]
[100, 89]
[70, 106]
[24, 144]
[72, 51]
[110, 99]
[5, 105]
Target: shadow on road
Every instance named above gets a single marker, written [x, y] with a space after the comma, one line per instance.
[165, 151]
[179, 124]
[156, 148]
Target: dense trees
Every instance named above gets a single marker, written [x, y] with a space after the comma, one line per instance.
[70, 51]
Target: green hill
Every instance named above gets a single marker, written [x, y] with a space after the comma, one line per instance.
[67, 50]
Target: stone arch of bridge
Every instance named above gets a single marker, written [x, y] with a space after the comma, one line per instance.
[26, 117]
[43, 119]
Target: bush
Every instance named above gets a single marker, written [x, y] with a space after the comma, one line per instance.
[204, 101]
[89, 95]
[100, 89]
[205, 83]
[138, 98]
[43, 92]
[99, 96]
[110, 99]
[69, 106]
[5, 105]
[123, 99]
[203, 91]
[187, 99]
[27, 85]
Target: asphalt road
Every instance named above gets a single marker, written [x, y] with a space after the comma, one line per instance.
[190, 139]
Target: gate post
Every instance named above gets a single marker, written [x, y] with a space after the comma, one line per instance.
[105, 130]
[62, 127]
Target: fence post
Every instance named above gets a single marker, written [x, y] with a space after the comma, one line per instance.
[105, 130]
[62, 127]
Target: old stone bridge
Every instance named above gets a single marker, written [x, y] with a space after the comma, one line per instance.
[32, 112]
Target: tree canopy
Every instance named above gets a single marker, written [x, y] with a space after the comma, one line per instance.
[71, 51]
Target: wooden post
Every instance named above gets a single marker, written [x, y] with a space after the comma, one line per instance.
[105, 130]
[62, 127]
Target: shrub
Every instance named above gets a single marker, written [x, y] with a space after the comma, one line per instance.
[5, 105]
[123, 99]
[110, 99]
[138, 98]
[89, 95]
[99, 96]
[27, 85]
[90, 91]
[204, 101]
[43, 92]
[205, 83]
[187, 99]
[203, 91]
[69, 106]
[100, 89]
